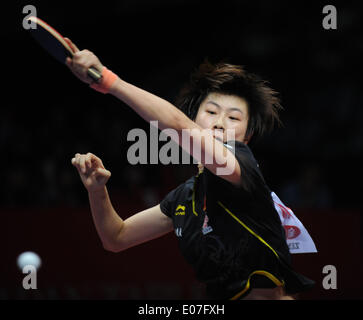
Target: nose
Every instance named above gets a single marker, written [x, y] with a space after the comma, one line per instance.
[218, 128]
[219, 124]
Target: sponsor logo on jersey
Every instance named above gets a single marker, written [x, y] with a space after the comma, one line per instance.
[178, 232]
[292, 232]
[180, 210]
[294, 245]
[284, 211]
[206, 229]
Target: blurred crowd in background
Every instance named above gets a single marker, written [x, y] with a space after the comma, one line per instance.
[310, 162]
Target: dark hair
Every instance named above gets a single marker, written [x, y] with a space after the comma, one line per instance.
[263, 103]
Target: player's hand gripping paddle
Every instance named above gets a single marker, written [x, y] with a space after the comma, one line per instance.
[52, 41]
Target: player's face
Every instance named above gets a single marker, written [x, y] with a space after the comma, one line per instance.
[221, 112]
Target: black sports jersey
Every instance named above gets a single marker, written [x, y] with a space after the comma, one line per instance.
[232, 236]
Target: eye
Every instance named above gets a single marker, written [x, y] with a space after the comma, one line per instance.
[211, 112]
[233, 118]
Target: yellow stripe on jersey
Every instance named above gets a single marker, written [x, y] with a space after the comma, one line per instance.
[262, 273]
[249, 230]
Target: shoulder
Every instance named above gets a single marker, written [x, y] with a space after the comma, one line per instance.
[243, 154]
[185, 186]
[184, 190]
[251, 176]
[239, 147]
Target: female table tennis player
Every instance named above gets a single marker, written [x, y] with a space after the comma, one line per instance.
[226, 224]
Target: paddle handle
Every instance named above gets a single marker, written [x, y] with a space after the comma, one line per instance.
[94, 74]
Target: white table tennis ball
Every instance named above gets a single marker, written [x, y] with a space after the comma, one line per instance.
[28, 258]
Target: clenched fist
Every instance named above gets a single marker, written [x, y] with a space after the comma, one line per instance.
[91, 170]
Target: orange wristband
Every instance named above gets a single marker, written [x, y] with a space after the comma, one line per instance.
[105, 83]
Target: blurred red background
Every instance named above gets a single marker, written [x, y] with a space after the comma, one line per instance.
[75, 265]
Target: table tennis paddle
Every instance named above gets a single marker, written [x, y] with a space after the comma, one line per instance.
[53, 42]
